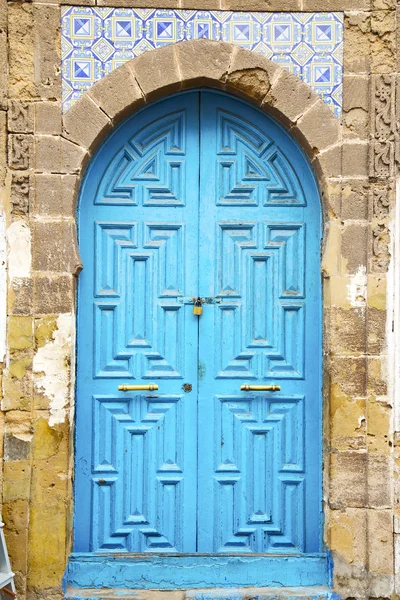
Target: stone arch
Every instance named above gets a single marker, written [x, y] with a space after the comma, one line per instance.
[192, 64]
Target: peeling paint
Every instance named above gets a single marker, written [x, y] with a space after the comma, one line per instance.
[357, 288]
[51, 364]
[19, 249]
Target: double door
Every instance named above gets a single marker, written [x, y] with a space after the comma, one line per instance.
[199, 196]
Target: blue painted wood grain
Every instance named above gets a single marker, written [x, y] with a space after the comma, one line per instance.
[199, 195]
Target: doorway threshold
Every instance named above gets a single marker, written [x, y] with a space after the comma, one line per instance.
[87, 571]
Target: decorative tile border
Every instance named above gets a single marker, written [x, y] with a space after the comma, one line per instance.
[97, 40]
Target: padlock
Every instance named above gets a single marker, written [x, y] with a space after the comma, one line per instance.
[197, 307]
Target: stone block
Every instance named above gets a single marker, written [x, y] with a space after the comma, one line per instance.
[19, 363]
[205, 4]
[347, 421]
[21, 52]
[73, 158]
[348, 534]
[376, 330]
[348, 480]
[203, 61]
[290, 97]
[349, 374]
[54, 247]
[355, 92]
[16, 448]
[85, 124]
[380, 541]
[20, 296]
[48, 118]
[3, 69]
[261, 5]
[355, 159]
[16, 518]
[138, 3]
[50, 442]
[379, 415]
[357, 53]
[54, 294]
[118, 94]
[329, 162]
[157, 72]
[318, 128]
[55, 195]
[47, 24]
[17, 393]
[354, 249]
[47, 154]
[49, 487]
[379, 476]
[377, 376]
[58, 155]
[336, 5]
[348, 331]
[3, 148]
[383, 42]
[3, 16]
[249, 73]
[16, 482]
[356, 124]
[20, 333]
[20, 116]
[47, 542]
[355, 200]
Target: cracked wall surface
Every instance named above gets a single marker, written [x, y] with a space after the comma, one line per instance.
[41, 162]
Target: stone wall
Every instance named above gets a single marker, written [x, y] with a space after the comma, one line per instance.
[41, 160]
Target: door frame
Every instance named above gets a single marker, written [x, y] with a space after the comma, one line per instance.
[323, 153]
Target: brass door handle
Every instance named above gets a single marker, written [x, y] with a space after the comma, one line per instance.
[135, 388]
[260, 388]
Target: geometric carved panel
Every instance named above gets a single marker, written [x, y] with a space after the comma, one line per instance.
[252, 171]
[261, 318]
[259, 474]
[137, 476]
[149, 169]
[137, 319]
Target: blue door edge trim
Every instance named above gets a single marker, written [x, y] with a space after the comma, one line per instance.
[86, 570]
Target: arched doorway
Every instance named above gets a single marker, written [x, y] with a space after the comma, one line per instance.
[201, 196]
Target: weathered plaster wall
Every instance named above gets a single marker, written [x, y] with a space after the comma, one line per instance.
[39, 172]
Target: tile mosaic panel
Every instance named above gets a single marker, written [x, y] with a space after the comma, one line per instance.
[96, 40]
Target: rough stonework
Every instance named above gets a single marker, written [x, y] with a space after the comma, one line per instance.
[42, 160]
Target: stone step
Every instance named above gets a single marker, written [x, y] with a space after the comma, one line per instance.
[266, 593]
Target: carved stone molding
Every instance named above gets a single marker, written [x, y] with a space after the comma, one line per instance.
[380, 247]
[20, 117]
[19, 151]
[383, 126]
[20, 193]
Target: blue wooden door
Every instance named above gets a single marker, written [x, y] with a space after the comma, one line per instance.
[199, 195]
[259, 475]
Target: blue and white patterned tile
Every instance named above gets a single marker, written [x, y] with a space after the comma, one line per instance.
[96, 40]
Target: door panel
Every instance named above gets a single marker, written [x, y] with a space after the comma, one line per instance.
[260, 450]
[199, 195]
[136, 451]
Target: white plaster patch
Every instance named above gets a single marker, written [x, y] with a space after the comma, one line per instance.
[51, 363]
[19, 250]
[357, 288]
